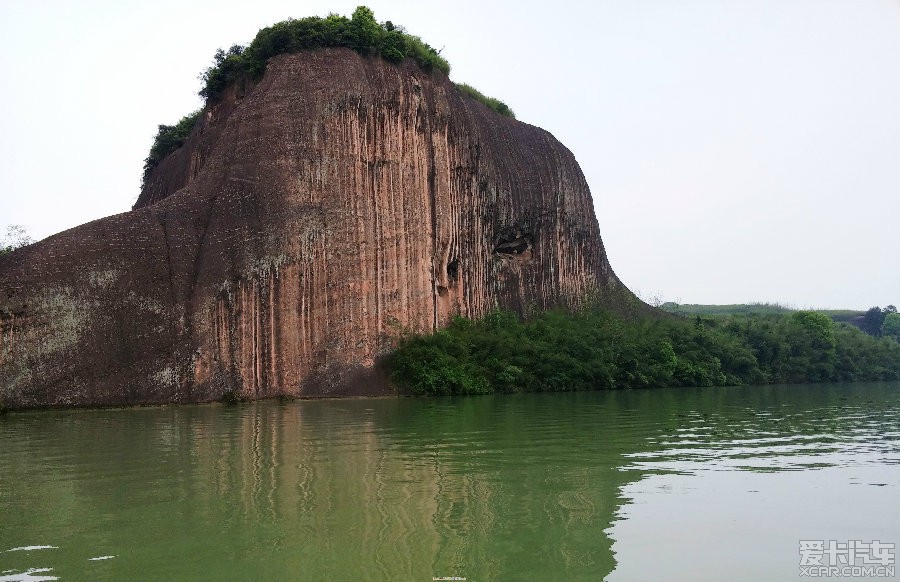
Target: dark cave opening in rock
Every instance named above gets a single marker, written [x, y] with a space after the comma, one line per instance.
[453, 271]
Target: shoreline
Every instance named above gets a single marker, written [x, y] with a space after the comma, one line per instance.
[288, 399]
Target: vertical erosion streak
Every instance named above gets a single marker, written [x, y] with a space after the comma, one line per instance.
[370, 141]
[432, 200]
[245, 337]
[206, 219]
[400, 280]
[273, 339]
[11, 344]
[378, 130]
[222, 330]
[357, 270]
[256, 297]
[254, 364]
[162, 222]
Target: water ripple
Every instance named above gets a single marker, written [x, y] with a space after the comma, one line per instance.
[30, 548]
[29, 575]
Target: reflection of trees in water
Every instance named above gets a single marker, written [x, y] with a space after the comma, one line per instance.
[412, 488]
[335, 500]
[487, 488]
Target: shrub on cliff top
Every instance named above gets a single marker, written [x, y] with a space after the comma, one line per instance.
[168, 139]
[15, 238]
[361, 32]
[492, 103]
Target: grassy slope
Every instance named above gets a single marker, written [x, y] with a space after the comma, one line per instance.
[689, 309]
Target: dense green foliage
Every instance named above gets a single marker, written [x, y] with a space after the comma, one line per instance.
[15, 238]
[841, 315]
[597, 349]
[492, 103]
[361, 32]
[168, 139]
[890, 327]
[873, 319]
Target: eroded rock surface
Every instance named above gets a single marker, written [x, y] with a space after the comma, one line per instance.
[308, 221]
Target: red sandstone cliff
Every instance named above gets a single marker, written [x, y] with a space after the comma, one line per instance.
[308, 221]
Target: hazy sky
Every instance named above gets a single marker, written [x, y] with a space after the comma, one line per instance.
[737, 150]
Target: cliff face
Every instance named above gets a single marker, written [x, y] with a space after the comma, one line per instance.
[306, 223]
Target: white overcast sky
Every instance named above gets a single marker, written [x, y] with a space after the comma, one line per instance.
[737, 150]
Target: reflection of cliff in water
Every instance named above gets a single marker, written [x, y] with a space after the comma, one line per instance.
[489, 488]
[409, 489]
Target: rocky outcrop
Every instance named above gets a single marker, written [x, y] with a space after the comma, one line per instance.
[308, 221]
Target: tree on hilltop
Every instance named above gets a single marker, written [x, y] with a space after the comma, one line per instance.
[15, 237]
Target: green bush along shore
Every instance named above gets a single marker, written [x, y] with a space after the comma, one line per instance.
[598, 349]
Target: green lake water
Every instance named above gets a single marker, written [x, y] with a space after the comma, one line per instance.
[669, 484]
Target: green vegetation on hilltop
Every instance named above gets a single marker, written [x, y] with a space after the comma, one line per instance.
[361, 32]
[15, 238]
[871, 321]
[733, 309]
[492, 103]
[168, 139]
[597, 349]
[840, 315]
[890, 327]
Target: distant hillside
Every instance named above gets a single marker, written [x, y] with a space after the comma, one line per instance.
[845, 315]
[871, 321]
[735, 309]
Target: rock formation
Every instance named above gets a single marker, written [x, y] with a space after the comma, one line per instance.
[309, 220]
